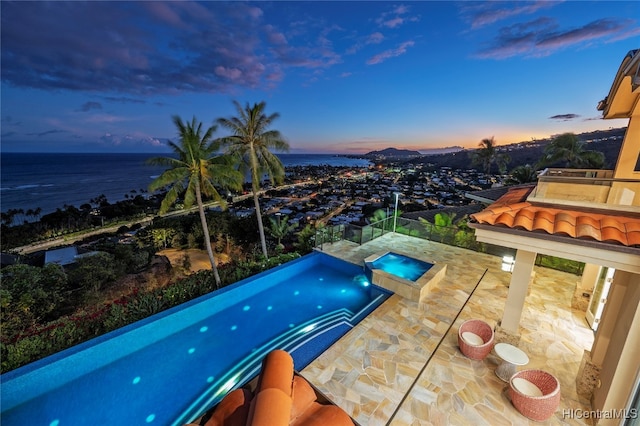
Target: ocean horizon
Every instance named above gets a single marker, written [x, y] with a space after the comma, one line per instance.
[52, 180]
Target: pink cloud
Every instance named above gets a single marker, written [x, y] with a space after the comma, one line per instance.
[391, 53]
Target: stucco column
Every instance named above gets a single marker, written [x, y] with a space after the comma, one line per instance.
[585, 286]
[518, 287]
[616, 345]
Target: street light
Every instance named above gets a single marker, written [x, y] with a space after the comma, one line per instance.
[395, 212]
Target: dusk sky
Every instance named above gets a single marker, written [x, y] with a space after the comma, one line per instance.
[345, 77]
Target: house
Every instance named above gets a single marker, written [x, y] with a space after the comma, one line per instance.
[592, 216]
[65, 256]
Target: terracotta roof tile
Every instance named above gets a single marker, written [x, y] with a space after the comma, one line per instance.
[543, 221]
[632, 226]
[562, 226]
[567, 216]
[588, 232]
[506, 219]
[633, 238]
[614, 235]
[613, 222]
[524, 220]
[588, 220]
[497, 210]
[512, 211]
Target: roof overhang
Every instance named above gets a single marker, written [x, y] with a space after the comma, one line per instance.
[597, 253]
[622, 100]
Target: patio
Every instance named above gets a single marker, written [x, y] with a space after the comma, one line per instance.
[401, 365]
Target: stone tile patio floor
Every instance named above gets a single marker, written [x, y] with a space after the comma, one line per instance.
[401, 365]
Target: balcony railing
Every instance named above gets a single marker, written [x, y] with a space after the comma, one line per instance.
[587, 188]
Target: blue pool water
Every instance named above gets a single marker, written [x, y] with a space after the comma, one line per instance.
[402, 266]
[170, 368]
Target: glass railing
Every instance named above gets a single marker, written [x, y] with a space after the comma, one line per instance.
[587, 188]
[462, 237]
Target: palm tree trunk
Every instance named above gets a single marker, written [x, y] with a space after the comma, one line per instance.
[207, 239]
[255, 185]
[260, 226]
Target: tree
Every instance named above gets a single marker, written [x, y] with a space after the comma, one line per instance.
[522, 174]
[30, 295]
[567, 149]
[280, 228]
[194, 173]
[251, 143]
[306, 239]
[485, 154]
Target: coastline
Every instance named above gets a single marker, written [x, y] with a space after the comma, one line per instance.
[53, 181]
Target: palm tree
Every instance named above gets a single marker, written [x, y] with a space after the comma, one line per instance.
[280, 228]
[568, 149]
[487, 154]
[522, 174]
[250, 143]
[195, 172]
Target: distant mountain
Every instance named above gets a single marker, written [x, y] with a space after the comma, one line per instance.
[445, 150]
[393, 153]
[606, 141]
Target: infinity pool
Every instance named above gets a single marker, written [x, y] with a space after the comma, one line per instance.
[170, 368]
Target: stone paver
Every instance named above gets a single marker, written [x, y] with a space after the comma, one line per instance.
[401, 365]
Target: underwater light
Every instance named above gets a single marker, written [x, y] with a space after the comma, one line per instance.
[362, 280]
[308, 328]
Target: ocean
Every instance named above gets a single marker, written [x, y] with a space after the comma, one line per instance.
[49, 181]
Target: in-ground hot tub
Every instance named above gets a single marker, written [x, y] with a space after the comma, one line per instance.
[404, 275]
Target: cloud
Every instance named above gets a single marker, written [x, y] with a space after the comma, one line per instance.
[564, 117]
[374, 38]
[155, 48]
[8, 134]
[486, 13]
[396, 17]
[124, 100]
[542, 37]
[316, 53]
[391, 53]
[106, 118]
[130, 140]
[599, 29]
[46, 133]
[87, 106]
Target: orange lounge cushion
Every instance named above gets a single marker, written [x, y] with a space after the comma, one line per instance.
[277, 372]
[272, 408]
[232, 410]
[303, 396]
[323, 415]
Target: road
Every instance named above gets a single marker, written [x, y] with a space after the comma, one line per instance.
[68, 239]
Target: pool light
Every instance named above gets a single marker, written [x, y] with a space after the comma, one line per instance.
[308, 328]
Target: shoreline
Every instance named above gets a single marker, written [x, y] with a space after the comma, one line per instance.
[28, 195]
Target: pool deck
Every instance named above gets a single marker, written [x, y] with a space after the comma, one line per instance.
[401, 365]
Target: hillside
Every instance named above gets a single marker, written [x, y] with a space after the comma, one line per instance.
[607, 141]
[392, 153]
